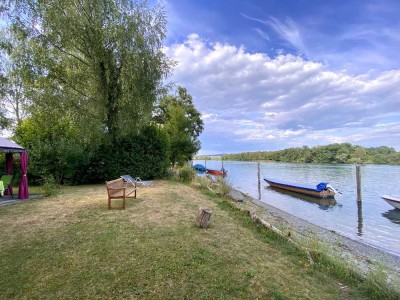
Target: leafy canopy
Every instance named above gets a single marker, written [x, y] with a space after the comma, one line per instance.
[100, 61]
[182, 122]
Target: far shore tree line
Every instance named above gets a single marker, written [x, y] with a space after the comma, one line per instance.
[344, 153]
[82, 88]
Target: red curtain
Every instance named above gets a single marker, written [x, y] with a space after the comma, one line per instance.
[9, 165]
[23, 186]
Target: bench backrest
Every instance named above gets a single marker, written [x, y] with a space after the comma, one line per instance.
[117, 183]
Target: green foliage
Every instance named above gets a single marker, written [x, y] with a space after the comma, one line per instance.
[54, 148]
[13, 61]
[56, 153]
[143, 155]
[183, 124]
[334, 153]
[49, 186]
[186, 173]
[98, 61]
[87, 73]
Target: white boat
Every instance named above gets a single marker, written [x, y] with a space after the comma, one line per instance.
[392, 200]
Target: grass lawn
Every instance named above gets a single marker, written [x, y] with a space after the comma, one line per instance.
[71, 246]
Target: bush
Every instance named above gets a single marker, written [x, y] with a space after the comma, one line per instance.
[60, 153]
[144, 155]
[186, 174]
[53, 150]
[50, 186]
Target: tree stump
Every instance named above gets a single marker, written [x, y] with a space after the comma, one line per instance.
[203, 217]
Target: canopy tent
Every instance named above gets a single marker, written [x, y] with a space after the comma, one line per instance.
[9, 147]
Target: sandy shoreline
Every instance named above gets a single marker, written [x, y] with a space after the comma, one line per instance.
[363, 256]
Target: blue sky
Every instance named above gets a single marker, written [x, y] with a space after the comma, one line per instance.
[269, 75]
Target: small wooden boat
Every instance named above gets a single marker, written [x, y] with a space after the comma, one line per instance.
[199, 168]
[392, 200]
[321, 190]
[323, 203]
[221, 172]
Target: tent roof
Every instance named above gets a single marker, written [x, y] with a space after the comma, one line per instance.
[9, 146]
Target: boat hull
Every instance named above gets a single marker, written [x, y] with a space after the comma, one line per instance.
[323, 203]
[393, 201]
[326, 193]
[217, 172]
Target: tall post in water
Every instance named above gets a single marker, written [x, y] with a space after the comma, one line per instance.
[259, 180]
[205, 164]
[359, 218]
[358, 179]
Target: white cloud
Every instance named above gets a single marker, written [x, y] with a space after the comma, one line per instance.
[253, 97]
[262, 33]
[289, 31]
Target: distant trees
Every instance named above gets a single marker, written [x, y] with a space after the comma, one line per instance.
[334, 153]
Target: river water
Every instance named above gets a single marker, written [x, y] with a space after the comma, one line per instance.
[372, 221]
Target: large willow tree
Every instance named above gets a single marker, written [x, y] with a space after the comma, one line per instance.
[99, 63]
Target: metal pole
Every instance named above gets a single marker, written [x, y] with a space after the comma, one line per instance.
[358, 179]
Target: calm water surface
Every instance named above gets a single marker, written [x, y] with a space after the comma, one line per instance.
[374, 222]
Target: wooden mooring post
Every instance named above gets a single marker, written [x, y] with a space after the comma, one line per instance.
[359, 218]
[358, 179]
[259, 180]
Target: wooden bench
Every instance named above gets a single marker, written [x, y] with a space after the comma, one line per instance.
[119, 189]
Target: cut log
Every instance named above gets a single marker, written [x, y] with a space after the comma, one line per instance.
[203, 217]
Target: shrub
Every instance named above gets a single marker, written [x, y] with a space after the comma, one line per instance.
[186, 174]
[144, 155]
[50, 186]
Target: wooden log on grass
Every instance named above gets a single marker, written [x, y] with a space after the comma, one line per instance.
[203, 217]
[267, 225]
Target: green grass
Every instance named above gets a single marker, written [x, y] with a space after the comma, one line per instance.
[71, 246]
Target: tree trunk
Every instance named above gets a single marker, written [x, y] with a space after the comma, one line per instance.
[203, 217]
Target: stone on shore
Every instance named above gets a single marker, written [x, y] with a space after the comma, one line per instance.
[236, 195]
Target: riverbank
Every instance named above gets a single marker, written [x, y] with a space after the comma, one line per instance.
[367, 256]
[70, 246]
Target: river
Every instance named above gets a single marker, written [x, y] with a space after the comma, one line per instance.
[373, 221]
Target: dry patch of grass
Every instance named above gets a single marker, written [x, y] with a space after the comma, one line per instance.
[71, 246]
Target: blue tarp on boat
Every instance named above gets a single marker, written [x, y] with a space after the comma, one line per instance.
[321, 186]
[318, 188]
[199, 167]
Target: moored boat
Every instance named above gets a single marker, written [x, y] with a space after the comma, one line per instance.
[323, 203]
[321, 190]
[221, 172]
[199, 168]
[392, 200]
